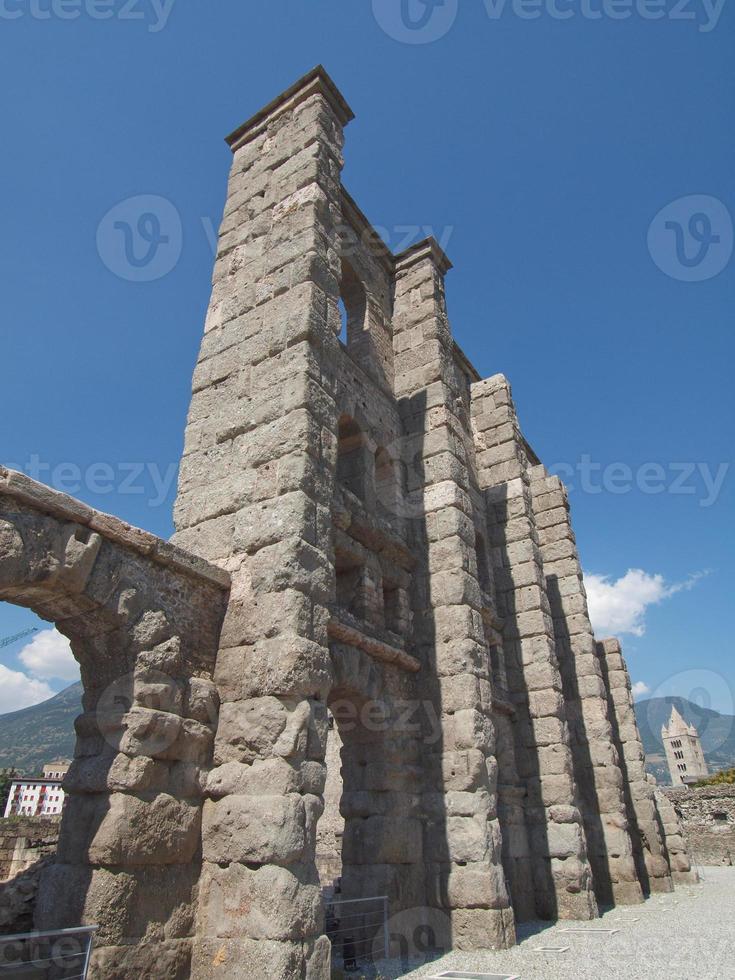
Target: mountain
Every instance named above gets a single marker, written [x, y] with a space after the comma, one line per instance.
[41, 733]
[716, 731]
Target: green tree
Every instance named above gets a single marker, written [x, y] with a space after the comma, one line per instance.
[726, 777]
[6, 778]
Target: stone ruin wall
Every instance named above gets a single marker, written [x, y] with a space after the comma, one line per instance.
[27, 846]
[25, 840]
[707, 817]
[390, 553]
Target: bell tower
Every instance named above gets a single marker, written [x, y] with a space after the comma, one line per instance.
[683, 750]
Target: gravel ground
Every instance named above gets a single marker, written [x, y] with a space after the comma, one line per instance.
[687, 934]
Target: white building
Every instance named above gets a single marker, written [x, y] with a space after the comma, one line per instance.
[41, 797]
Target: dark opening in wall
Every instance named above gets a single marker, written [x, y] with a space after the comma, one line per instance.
[351, 468]
[392, 607]
[349, 584]
[483, 568]
[720, 816]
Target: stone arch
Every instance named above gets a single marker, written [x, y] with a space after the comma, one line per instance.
[380, 733]
[143, 621]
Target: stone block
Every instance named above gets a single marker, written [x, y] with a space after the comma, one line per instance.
[482, 928]
[254, 829]
[286, 666]
[265, 903]
[134, 831]
[249, 729]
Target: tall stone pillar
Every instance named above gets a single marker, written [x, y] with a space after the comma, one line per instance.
[645, 826]
[563, 882]
[465, 875]
[596, 763]
[680, 863]
[255, 493]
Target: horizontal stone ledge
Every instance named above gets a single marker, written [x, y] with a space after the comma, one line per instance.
[315, 81]
[374, 648]
[349, 516]
[45, 499]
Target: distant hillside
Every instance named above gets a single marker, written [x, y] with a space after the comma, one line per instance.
[42, 733]
[716, 731]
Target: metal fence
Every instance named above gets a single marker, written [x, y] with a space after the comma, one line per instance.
[60, 955]
[357, 928]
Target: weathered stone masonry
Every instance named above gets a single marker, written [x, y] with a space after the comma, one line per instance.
[707, 818]
[386, 549]
[143, 619]
[25, 840]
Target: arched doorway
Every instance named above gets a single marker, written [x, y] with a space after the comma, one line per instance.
[143, 621]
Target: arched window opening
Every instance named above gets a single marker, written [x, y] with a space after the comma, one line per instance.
[343, 321]
[353, 300]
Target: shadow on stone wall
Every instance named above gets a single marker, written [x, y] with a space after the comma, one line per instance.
[544, 898]
[597, 851]
[636, 835]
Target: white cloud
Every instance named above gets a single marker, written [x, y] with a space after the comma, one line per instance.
[620, 606]
[17, 690]
[48, 656]
[640, 688]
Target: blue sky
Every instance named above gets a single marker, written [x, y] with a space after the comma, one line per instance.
[539, 150]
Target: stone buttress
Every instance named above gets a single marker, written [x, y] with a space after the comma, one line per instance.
[255, 494]
[465, 877]
[647, 833]
[562, 878]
